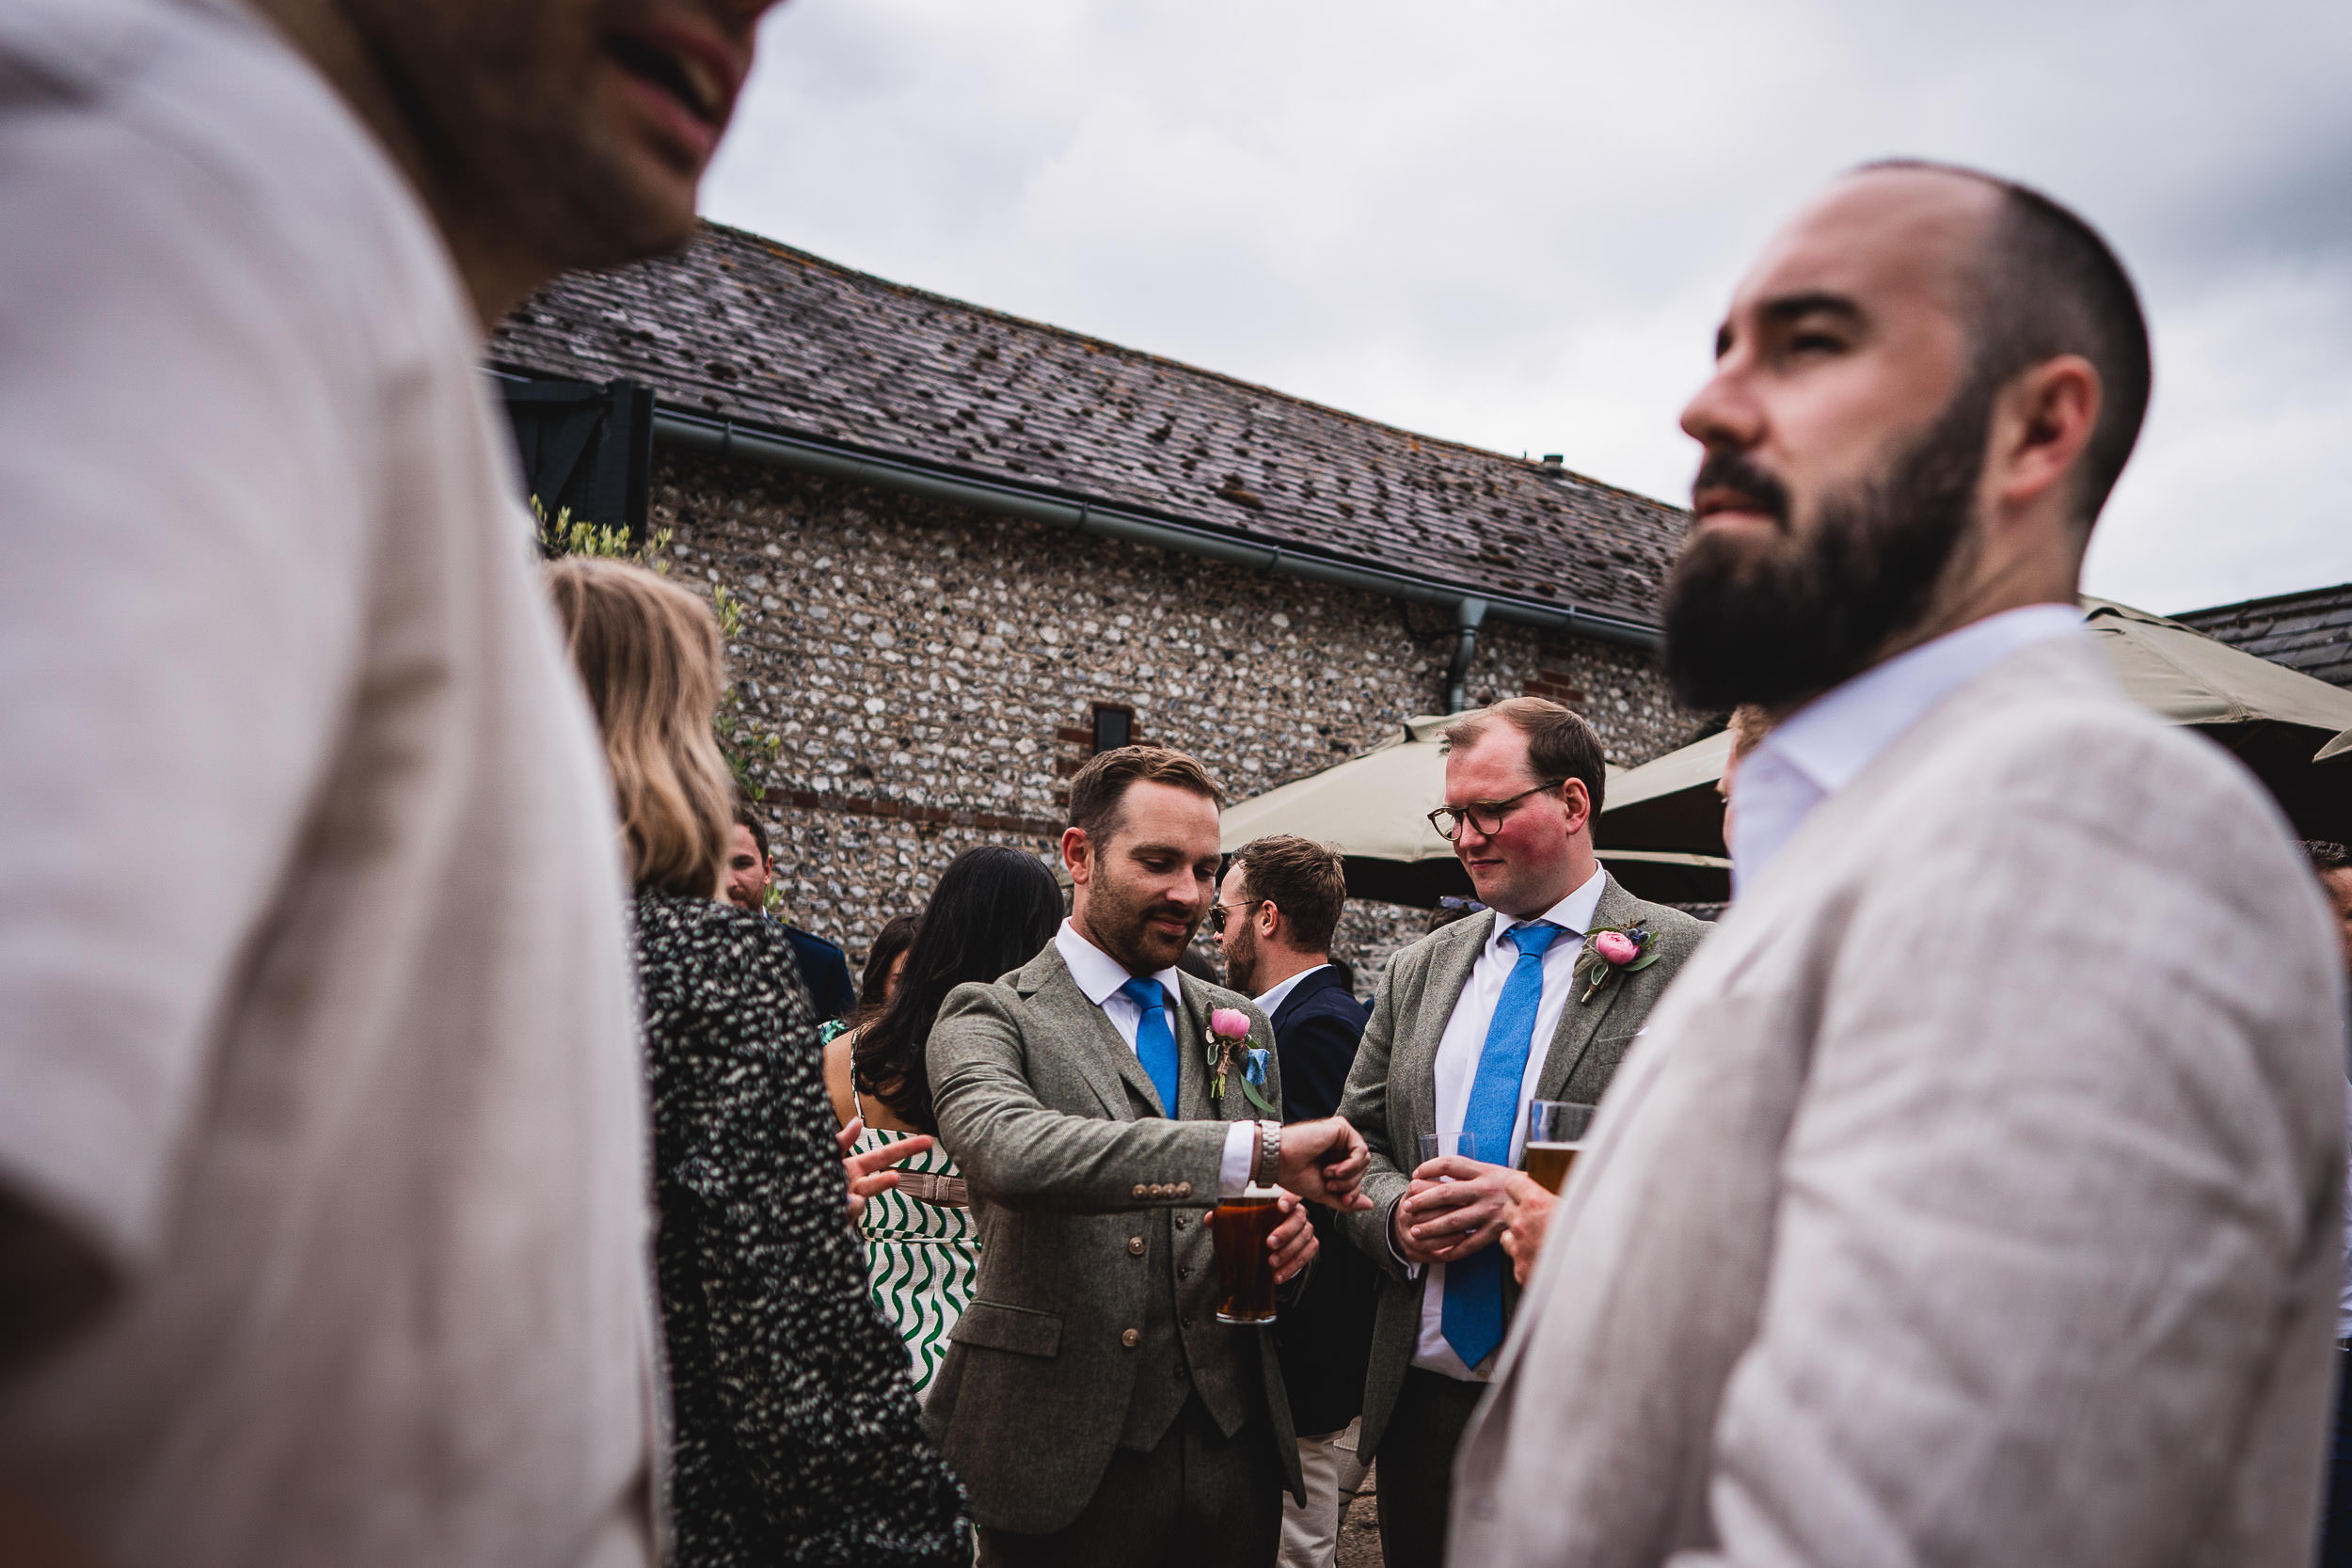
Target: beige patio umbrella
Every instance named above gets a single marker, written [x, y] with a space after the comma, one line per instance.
[1375, 806]
[2272, 717]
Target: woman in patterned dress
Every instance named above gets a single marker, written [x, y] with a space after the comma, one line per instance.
[797, 1438]
[994, 910]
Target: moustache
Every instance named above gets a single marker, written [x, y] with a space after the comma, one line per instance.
[1736, 471]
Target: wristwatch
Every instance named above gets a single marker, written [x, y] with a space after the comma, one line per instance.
[1269, 1154]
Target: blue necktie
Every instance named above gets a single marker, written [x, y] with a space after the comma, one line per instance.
[1155, 1043]
[1472, 1316]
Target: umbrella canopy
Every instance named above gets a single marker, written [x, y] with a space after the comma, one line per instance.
[1375, 807]
[2272, 717]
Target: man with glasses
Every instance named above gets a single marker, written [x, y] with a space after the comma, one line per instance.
[1452, 1051]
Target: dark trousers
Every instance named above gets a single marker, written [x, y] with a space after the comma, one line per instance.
[1197, 1497]
[2335, 1506]
[1416, 1467]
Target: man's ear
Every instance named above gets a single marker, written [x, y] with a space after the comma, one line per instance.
[2042, 422]
[1578, 802]
[1268, 919]
[1077, 854]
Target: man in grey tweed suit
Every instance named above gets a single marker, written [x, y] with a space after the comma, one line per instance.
[1973, 1198]
[1090, 1402]
[1471, 1023]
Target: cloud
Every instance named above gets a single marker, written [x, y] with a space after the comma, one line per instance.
[1516, 224]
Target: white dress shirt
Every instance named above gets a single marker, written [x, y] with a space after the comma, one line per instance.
[1458, 1051]
[1100, 978]
[1280, 993]
[1825, 745]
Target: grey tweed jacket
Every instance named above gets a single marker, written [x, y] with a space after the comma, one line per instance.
[1094, 1318]
[1392, 1092]
[1973, 1198]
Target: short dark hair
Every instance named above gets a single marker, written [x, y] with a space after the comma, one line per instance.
[749, 819]
[2327, 855]
[2048, 284]
[1560, 744]
[1305, 881]
[1098, 795]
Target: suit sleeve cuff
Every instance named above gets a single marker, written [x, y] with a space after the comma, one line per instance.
[1388, 1237]
[1241, 1146]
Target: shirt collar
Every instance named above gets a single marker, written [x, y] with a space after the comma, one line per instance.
[1825, 745]
[1573, 913]
[1098, 975]
[1276, 997]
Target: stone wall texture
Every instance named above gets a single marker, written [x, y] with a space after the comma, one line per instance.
[933, 670]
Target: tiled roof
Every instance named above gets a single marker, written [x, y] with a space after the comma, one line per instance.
[2311, 631]
[744, 328]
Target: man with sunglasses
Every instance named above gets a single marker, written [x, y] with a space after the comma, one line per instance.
[1453, 1050]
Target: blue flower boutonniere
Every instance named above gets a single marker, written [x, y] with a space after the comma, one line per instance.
[1229, 1033]
[1611, 950]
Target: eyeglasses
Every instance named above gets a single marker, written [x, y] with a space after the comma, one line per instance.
[1217, 913]
[1485, 816]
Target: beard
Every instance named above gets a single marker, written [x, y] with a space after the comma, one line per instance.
[1241, 960]
[1778, 621]
[1118, 920]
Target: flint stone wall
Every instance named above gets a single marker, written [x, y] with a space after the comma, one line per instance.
[931, 670]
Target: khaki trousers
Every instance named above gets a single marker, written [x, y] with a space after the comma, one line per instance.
[1310, 1531]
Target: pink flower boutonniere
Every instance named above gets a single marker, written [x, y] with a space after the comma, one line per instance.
[1229, 1035]
[1611, 950]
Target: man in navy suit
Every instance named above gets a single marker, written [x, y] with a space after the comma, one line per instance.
[1274, 917]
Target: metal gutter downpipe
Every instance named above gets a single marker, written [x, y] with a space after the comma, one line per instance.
[726, 438]
[1467, 615]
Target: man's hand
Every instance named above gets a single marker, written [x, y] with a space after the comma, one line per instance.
[1325, 1161]
[870, 1173]
[1293, 1241]
[1455, 1207]
[1523, 1232]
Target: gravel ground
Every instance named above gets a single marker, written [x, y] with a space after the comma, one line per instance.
[1359, 1531]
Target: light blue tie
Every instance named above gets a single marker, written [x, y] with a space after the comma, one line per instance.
[1473, 1317]
[1155, 1043]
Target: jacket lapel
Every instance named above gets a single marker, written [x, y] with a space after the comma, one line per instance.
[1102, 1058]
[1580, 1021]
[1192, 1071]
[1413, 1057]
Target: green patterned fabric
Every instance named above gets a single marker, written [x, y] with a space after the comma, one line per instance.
[922, 1259]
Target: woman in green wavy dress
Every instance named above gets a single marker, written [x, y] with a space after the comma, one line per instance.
[994, 910]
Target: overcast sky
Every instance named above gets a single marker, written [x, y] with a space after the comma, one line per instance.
[1516, 224]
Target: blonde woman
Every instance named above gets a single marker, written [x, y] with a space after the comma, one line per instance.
[798, 1437]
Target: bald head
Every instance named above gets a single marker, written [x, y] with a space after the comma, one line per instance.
[1924, 390]
[2037, 282]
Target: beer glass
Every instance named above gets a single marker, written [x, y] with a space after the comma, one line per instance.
[1245, 1270]
[1462, 1144]
[1555, 1135]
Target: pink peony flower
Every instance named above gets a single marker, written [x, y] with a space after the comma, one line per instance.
[1616, 947]
[1230, 1024]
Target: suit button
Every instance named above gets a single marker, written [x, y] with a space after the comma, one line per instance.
[1187, 1319]
[1134, 1244]
[1179, 1221]
[1184, 1271]
[1182, 1373]
[1140, 1189]
[1184, 1189]
[1131, 1338]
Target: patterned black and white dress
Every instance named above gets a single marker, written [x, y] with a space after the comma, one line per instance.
[798, 1436]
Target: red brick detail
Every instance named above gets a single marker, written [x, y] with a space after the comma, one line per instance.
[906, 811]
[1557, 686]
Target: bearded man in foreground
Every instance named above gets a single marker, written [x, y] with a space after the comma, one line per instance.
[1973, 1198]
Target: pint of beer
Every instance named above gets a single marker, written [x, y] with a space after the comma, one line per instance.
[1555, 1135]
[1245, 1270]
